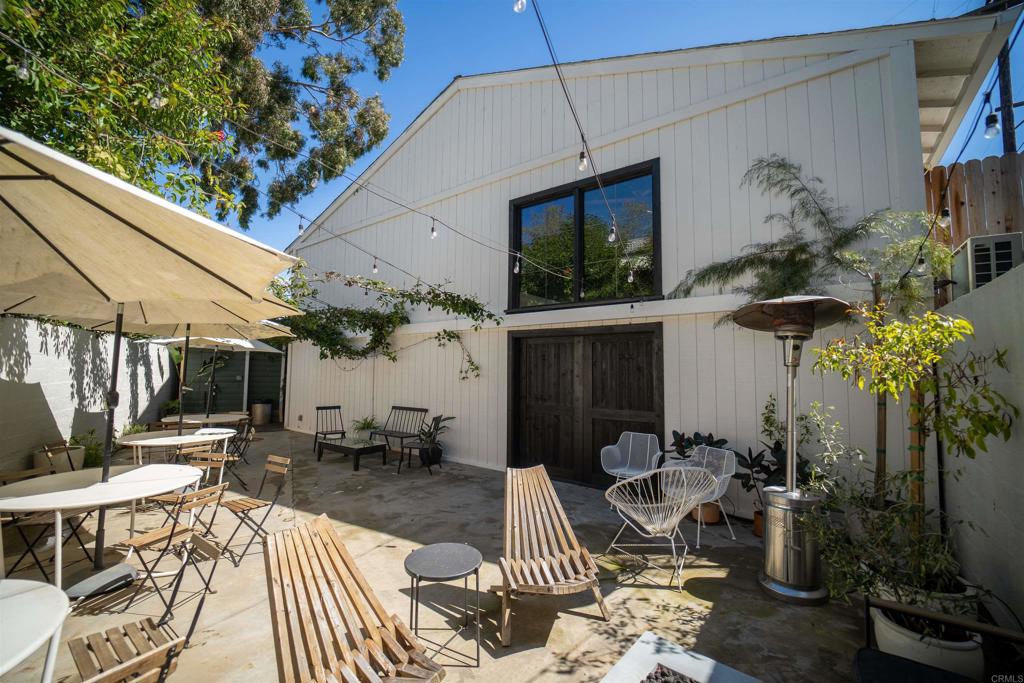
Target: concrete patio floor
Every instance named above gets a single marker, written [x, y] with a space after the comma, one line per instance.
[721, 613]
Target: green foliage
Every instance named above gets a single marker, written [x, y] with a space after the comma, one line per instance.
[108, 59]
[428, 433]
[209, 365]
[228, 113]
[93, 447]
[965, 410]
[804, 259]
[682, 444]
[366, 424]
[768, 466]
[334, 329]
[132, 428]
[171, 407]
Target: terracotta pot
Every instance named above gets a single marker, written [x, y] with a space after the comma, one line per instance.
[758, 523]
[712, 514]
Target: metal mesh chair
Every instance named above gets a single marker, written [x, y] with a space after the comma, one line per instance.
[634, 454]
[722, 464]
[653, 504]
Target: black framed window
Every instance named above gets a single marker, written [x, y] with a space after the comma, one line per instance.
[563, 236]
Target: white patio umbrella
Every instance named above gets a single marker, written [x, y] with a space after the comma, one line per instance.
[81, 244]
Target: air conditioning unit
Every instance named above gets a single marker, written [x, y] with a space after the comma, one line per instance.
[981, 259]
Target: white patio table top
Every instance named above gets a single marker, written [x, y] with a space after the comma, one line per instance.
[31, 612]
[211, 419]
[138, 442]
[83, 489]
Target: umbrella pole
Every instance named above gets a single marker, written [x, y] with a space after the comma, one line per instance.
[181, 380]
[209, 388]
[108, 437]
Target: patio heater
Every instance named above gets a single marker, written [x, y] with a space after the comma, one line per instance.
[792, 563]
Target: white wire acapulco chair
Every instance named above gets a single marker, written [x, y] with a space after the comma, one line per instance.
[722, 465]
[654, 503]
[634, 454]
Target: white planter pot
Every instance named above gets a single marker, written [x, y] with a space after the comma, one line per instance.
[962, 657]
[60, 461]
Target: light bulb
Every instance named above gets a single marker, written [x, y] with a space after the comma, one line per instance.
[613, 234]
[300, 226]
[583, 295]
[582, 166]
[922, 266]
[433, 231]
[157, 101]
[22, 71]
[374, 266]
[515, 266]
[992, 128]
[313, 183]
[630, 278]
[519, 6]
[944, 219]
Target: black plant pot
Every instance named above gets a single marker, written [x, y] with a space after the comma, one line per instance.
[431, 456]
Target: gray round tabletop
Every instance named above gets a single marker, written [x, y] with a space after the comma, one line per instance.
[443, 561]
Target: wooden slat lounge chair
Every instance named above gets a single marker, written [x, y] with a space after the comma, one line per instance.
[542, 555]
[328, 623]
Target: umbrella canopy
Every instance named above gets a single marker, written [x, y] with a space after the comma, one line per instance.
[220, 344]
[261, 329]
[75, 238]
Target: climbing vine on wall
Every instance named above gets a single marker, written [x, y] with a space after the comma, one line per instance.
[335, 329]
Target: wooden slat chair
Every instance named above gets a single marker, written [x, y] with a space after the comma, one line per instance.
[137, 652]
[542, 555]
[43, 521]
[243, 508]
[175, 537]
[161, 426]
[329, 425]
[238, 445]
[328, 623]
[403, 423]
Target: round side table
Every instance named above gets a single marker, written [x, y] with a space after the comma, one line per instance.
[441, 562]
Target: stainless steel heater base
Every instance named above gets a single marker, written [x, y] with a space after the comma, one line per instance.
[796, 596]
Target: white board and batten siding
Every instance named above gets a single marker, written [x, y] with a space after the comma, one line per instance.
[842, 106]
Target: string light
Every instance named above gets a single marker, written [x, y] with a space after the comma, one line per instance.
[922, 265]
[22, 71]
[519, 6]
[992, 128]
[944, 218]
[631, 277]
[301, 228]
[613, 234]
[375, 265]
[515, 265]
[433, 229]
[582, 165]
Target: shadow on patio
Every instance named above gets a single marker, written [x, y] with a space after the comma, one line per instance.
[382, 517]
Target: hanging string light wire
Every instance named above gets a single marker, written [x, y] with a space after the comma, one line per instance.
[587, 154]
[986, 99]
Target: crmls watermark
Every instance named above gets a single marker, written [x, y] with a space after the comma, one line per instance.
[1007, 678]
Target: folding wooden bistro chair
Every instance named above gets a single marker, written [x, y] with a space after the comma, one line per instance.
[542, 555]
[244, 508]
[329, 625]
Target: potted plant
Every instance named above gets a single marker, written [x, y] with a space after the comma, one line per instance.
[364, 425]
[92, 445]
[431, 434]
[898, 554]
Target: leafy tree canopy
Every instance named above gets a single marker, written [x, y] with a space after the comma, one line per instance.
[173, 95]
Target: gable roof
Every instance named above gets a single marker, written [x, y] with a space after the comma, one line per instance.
[952, 56]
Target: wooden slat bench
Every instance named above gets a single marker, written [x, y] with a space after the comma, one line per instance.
[542, 554]
[329, 625]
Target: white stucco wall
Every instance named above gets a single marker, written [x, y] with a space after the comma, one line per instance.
[987, 491]
[53, 380]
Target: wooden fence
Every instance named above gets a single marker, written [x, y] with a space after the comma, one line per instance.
[984, 197]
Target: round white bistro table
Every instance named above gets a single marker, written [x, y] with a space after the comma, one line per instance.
[31, 612]
[83, 489]
[204, 419]
[140, 442]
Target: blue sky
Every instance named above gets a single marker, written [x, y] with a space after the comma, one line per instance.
[445, 38]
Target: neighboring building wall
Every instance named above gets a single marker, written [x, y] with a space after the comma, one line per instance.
[987, 490]
[53, 381]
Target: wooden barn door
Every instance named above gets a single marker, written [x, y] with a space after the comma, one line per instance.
[576, 391]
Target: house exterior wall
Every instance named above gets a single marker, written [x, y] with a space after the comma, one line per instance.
[847, 114]
[53, 381]
[986, 490]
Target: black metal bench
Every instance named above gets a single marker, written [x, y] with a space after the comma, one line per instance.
[403, 423]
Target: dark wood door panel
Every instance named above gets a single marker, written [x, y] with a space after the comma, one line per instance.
[575, 392]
